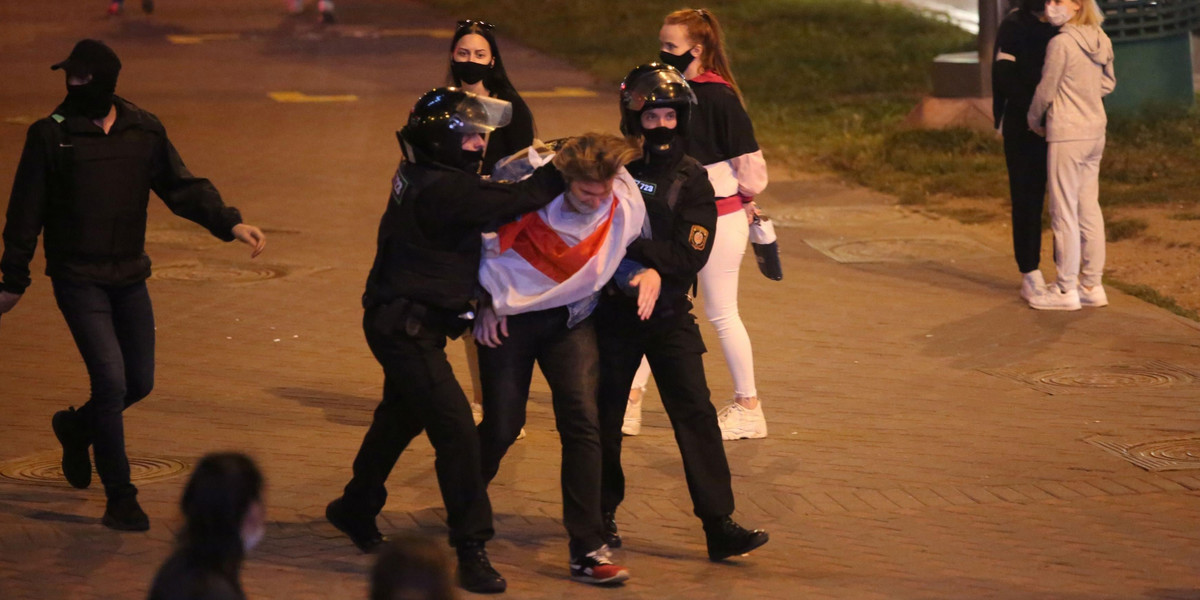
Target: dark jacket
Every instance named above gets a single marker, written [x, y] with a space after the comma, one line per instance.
[1017, 68]
[429, 245]
[89, 191]
[719, 129]
[181, 578]
[681, 234]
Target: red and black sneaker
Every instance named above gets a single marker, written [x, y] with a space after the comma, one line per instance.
[595, 567]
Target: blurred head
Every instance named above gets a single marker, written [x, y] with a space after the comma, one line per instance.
[447, 125]
[589, 163]
[412, 568]
[1075, 12]
[92, 69]
[223, 509]
[1030, 6]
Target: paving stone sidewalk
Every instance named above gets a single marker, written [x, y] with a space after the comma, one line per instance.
[931, 437]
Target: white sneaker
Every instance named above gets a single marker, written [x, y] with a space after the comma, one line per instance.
[1094, 297]
[477, 412]
[1032, 284]
[740, 423]
[521, 434]
[633, 419]
[1056, 298]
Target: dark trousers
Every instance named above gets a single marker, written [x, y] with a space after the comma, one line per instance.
[673, 346]
[1025, 155]
[420, 393]
[569, 360]
[113, 327]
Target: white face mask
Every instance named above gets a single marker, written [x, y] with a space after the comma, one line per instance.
[1058, 14]
[250, 539]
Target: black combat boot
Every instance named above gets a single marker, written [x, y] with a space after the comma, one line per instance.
[361, 530]
[726, 538]
[475, 572]
[611, 537]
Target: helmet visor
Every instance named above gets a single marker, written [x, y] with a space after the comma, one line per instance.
[478, 114]
[657, 87]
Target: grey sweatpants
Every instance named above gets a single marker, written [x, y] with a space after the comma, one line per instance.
[1075, 219]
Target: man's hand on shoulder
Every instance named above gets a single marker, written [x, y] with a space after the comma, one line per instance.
[251, 236]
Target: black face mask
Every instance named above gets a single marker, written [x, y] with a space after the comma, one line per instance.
[93, 99]
[469, 73]
[679, 61]
[659, 137]
[471, 160]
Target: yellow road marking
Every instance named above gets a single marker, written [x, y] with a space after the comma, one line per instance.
[441, 34]
[200, 38]
[302, 97]
[561, 92]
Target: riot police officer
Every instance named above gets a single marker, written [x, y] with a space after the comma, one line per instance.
[419, 289]
[655, 105]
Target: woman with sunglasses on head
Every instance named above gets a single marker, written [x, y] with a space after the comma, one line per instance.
[721, 137]
[476, 67]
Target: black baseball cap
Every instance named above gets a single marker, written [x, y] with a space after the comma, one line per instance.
[91, 57]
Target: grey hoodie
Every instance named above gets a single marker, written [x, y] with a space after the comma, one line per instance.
[1077, 74]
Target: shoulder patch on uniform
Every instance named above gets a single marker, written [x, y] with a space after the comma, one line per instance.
[698, 237]
[646, 187]
[58, 118]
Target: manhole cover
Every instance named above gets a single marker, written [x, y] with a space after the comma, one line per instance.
[216, 272]
[47, 470]
[1159, 455]
[842, 216]
[901, 249]
[1067, 380]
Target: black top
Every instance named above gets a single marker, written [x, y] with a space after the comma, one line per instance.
[429, 244]
[720, 129]
[515, 136]
[182, 579]
[1024, 37]
[89, 192]
[681, 235]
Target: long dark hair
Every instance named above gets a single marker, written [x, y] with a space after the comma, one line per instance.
[412, 567]
[215, 502]
[704, 29]
[496, 80]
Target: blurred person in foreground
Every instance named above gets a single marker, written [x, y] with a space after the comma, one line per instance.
[224, 517]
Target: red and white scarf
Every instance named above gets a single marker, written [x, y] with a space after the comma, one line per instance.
[557, 256]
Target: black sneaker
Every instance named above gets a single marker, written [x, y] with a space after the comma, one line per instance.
[611, 538]
[596, 567]
[71, 432]
[475, 572]
[362, 531]
[726, 538]
[123, 513]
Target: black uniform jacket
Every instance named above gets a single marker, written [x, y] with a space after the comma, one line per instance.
[1023, 37]
[89, 192]
[429, 242]
[683, 233]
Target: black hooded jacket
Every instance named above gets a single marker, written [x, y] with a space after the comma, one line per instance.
[1019, 56]
[88, 191]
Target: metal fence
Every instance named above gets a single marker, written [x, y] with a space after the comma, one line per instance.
[1131, 20]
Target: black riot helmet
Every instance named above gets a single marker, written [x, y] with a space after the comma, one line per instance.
[441, 118]
[655, 85]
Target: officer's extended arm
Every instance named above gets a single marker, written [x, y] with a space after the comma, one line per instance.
[499, 201]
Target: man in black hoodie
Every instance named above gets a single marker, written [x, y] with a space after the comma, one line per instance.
[1020, 53]
[682, 215]
[85, 178]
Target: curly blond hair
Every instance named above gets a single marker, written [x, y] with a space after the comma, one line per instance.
[595, 156]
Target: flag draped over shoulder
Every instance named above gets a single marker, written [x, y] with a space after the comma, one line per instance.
[556, 256]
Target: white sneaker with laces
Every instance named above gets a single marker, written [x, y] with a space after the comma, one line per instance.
[740, 423]
[1032, 284]
[633, 419]
[1056, 298]
[1095, 297]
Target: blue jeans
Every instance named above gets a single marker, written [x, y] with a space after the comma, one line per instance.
[113, 327]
